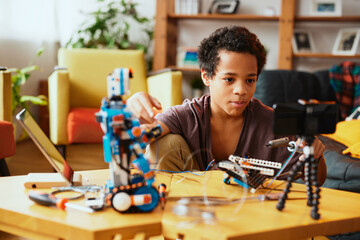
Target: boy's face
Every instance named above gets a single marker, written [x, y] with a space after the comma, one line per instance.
[233, 84]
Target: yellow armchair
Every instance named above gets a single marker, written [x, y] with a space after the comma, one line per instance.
[80, 82]
[5, 95]
[7, 140]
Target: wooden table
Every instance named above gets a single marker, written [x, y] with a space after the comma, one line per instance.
[254, 219]
[20, 216]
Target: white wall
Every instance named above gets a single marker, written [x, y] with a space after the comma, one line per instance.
[28, 24]
[324, 34]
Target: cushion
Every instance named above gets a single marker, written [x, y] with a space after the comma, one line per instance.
[342, 170]
[7, 140]
[82, 126]
[348, 133]
[353, 150]
[88, 69]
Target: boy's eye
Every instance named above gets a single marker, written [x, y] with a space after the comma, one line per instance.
[229, 80]
[251, 80]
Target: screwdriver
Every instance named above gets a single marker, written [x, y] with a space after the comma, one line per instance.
[46, 199]
[162, 188]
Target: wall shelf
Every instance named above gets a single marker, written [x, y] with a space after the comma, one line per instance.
[224, 17]
[167, 29]
[323, 55]
[328, 19]
[185, 69]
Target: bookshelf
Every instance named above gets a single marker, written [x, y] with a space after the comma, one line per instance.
[167, 28]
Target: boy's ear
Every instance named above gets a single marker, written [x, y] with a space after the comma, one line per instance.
[205, 78]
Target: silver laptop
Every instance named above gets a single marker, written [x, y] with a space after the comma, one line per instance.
[50, 153]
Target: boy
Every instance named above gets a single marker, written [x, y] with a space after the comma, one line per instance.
[226, 121]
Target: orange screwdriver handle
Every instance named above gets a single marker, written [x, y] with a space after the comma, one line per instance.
[162, 188]
[46, 199]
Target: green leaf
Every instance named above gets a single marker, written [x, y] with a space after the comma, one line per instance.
[18, 79]
[13, 70]
[140, 46]
[29, 69]
[150, 34]
[124, 44]
[109, 27]
[40, 51]
[127, 27]
[142, 20]
[38, 100]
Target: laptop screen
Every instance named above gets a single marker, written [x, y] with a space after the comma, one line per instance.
[45, 146]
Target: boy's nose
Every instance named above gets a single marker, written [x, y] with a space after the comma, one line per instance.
[239, 89]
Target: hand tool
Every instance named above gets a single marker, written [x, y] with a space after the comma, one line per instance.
[46, 199]
[162, 188]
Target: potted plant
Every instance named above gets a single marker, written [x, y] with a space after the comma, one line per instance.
[109, 26]
[197, 86]
[18, 78]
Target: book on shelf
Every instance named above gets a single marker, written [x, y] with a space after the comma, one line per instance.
[188, 7]
[187, 57]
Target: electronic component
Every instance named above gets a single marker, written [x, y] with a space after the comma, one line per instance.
[354, 115]
[248, 172]
[284, 142]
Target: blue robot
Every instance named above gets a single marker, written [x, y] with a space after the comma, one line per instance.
[130, 188]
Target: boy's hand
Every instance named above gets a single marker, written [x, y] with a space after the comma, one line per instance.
[141, 105]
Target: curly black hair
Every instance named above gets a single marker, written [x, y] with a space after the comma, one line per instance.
[233, 38]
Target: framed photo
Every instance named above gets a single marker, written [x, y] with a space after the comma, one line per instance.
[347, 41]
[326, 8]
[302, 42]
[224, 6]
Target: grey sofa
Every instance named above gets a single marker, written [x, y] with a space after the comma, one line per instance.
[283, 86]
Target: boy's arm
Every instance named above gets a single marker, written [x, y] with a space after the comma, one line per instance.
[164, 129]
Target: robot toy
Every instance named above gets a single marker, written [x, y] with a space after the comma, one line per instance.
[130, 188]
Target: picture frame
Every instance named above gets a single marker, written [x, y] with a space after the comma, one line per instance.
[347, 41]
[326, 8]
[302, 41]
[224, 6]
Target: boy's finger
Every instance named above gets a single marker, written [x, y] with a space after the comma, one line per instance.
[155, 102]
[141, 112]
[147, 106]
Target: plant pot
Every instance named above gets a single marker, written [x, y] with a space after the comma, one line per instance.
[197, 93]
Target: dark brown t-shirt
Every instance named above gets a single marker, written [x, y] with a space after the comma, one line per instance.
[192, 121]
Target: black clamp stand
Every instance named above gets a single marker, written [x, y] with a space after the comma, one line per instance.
[312, 185]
